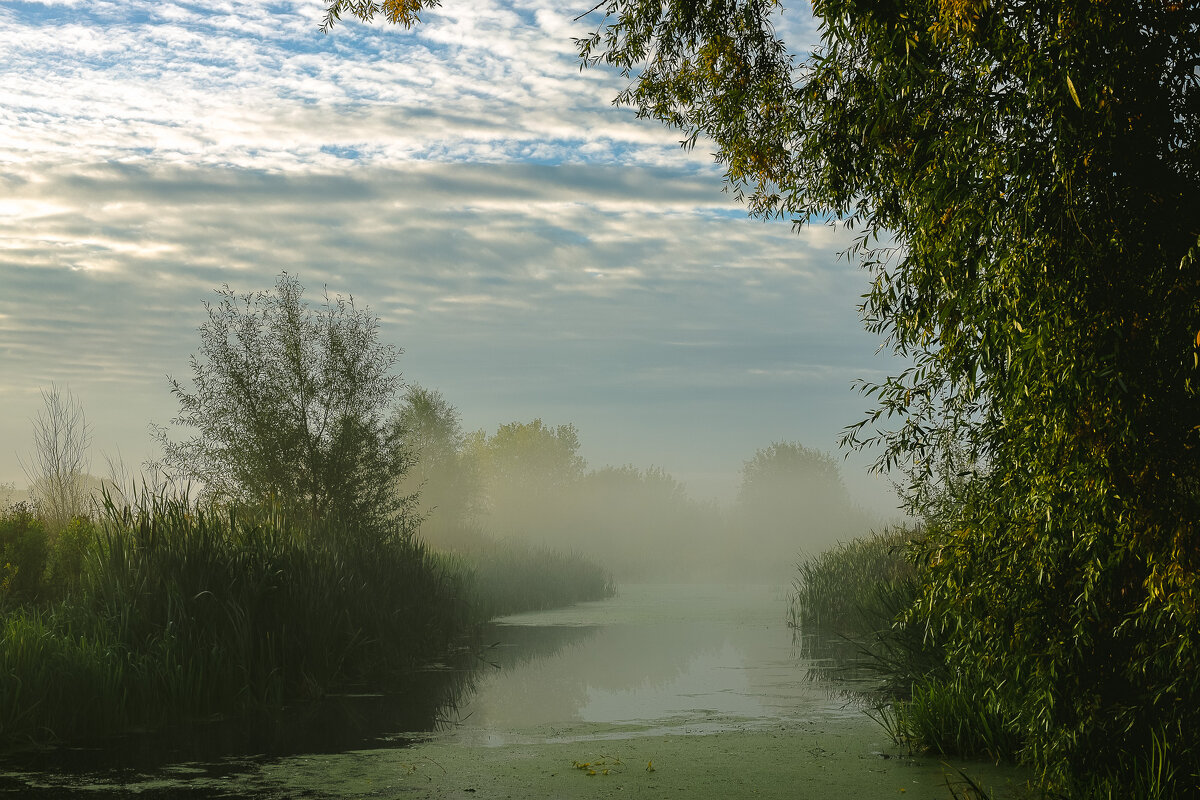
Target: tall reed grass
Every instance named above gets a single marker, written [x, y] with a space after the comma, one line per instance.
[178, 610]
[162, 610]
[850, 589]
[509, 577]
[855, 604]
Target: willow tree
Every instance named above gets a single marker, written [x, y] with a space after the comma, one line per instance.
[1032, 170]
[292, 404]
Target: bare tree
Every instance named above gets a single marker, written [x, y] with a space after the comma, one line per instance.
[57, 469]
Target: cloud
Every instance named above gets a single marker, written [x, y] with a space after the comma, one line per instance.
[633, 277]
[263, 89]
[534, 250]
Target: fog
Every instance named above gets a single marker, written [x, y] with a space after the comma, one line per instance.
[526, 481]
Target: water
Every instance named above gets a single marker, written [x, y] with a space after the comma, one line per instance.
[668, 659]
[680, 689]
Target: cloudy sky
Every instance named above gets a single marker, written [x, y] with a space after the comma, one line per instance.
[535, 251]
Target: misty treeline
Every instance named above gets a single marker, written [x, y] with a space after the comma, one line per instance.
[312, 522]
[527, 481]
[304, 405]
[268, 556]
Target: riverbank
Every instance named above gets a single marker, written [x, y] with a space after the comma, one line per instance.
[164, 612]
[700, 682]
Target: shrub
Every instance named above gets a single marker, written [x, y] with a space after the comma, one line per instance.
[23, 551]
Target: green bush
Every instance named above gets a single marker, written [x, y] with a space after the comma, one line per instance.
[23, 551]
[67, 554]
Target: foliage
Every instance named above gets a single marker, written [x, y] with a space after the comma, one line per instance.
[1037, 166]
[838, 590]
[524, 469]
[509, 577]
[533, 457]
[794, 495]
[290, 404]
[181, 610]
[641, 524]
[59, 465]
[397, 12]
[54, 680]
[443, 474]
[23, 551]
[40, 565]
[847, 608]
[166, 610]
[69, 550]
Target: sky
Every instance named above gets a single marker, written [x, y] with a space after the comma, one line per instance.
[535, 251]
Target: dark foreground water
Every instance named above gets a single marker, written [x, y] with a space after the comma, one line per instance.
[684, 691]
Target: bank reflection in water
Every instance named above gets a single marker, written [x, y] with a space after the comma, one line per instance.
[180, 760]
[664, 657]
[654, 659]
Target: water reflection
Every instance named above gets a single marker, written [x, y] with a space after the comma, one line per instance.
[209, 754]
[681, 658]
[666, 659]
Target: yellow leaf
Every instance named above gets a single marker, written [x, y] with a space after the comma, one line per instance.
[1071, 89]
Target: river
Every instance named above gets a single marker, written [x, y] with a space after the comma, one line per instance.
[663, 691]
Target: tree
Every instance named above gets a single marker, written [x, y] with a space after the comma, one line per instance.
[534, 458]
[1033, 170]
[57, 470]
[791, 498]
[526, 468]
[441, 472]
[291, 404]
[1037, 167]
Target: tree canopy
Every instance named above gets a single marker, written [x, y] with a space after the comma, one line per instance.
[794, 495]
[291, 403]
[1024, 179]
[444, 478]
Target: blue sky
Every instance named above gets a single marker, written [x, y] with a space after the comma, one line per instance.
[535, 251]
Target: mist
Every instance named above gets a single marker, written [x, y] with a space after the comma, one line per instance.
[526, 482]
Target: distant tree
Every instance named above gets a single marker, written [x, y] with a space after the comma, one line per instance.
[292, 403]
[534, 456]
[526, 468]
[641, 522]
[792, 497]
[57, 470]
[441, 472]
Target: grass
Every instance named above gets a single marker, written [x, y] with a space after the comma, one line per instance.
[848, 590]
[161, 611]
[510, 577]
[853, 604]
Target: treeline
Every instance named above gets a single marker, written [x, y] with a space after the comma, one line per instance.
[527, 482]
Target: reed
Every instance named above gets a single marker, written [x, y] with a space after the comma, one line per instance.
[850, 589]
[861, 595]
[509, 577]
[178, 610]
[162, 610]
